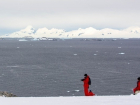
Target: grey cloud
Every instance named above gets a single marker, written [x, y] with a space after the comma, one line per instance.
[69, 14]
[72, 6]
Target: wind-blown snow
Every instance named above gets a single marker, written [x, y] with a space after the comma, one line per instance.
[131, 32]
[79, 100]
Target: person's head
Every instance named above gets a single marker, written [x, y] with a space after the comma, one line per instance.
[138, 78]
[85, 75]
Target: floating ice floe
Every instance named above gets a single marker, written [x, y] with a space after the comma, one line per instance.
[95, 54]
[68, 91]
[122, 53]
[77, 90]
[12, 66]
[22, 40]
[74, 54]
[119, 47]
[17, 47]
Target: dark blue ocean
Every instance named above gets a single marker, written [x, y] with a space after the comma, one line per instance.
[55, 68]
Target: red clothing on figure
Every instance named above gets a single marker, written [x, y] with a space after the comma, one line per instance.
[86, 85]
[87, 82]
[91, 93]
[138, 87]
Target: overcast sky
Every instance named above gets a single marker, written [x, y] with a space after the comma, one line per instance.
[68, 14]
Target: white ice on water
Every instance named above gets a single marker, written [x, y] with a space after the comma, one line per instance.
[74, 90]
[77, 90]
[13, 66]
[121, 53]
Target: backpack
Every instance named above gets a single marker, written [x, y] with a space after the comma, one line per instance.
[89, 82]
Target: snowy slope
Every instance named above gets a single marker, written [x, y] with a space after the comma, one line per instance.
[93, 100]
[28, 31]
[131, 32]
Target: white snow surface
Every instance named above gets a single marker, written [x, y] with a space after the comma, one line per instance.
[75, 100]
[29, 31]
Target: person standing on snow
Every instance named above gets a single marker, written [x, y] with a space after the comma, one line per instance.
[137, 89]
[87, 82]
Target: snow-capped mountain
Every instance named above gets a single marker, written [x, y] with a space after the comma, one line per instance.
[44, 32]
[29, 31]
[134, 30]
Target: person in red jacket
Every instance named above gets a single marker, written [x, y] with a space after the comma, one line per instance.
[87, 82]
[138, 86]
[86, 85]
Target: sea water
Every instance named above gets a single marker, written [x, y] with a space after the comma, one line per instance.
[55, 68]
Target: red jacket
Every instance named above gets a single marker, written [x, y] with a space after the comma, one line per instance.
[137, 88]
[86, 80]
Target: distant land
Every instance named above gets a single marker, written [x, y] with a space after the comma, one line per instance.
[30, 32]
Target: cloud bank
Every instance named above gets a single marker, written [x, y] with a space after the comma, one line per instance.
[68, 14]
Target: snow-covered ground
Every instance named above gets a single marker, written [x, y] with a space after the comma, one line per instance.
[76, 100]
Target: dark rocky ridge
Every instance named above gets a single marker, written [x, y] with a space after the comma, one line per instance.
[6, 94]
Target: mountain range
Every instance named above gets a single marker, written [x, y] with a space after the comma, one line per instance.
[29, 31]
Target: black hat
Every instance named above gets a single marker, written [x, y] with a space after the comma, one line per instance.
[138, 78]
[85, 74]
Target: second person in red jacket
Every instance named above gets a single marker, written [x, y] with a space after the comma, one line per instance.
[136, 89]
